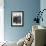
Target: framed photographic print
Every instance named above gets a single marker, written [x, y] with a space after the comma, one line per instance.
[17, 18]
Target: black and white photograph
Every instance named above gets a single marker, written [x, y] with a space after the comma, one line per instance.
[17, 18]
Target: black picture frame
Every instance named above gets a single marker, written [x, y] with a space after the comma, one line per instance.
[17, 18]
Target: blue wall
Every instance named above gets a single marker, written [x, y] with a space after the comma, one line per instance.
[29, 7]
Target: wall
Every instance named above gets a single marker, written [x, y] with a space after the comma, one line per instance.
[30, 7]
[1, 20]
[42, 6]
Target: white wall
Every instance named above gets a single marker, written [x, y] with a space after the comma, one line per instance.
[43, 6]
[1, 20]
